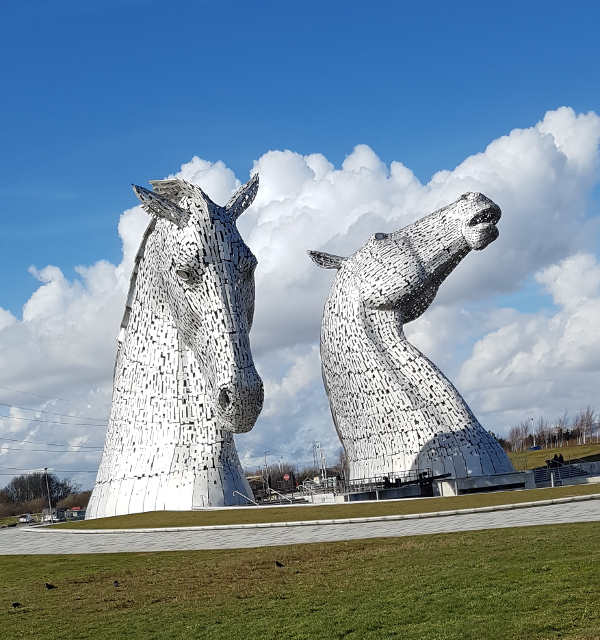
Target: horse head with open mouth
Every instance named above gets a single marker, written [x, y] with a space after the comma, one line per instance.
[393, 409]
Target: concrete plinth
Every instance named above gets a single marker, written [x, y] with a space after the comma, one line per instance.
[482, 484]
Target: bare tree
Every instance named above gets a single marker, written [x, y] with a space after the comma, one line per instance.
[542, 432]
[587, 422]
[32, 486]
[513, 437]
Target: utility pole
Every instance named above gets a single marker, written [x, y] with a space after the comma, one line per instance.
[267, 476]
[317, 455]
[532, 431]
[48, 490]
[323, 466]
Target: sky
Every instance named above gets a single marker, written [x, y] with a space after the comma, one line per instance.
[360, 117]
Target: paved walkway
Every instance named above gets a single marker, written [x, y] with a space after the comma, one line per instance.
[41, 540]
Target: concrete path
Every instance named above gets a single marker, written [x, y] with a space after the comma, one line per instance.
[43, 540]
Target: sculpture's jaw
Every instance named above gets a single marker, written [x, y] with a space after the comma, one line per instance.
[480, 229]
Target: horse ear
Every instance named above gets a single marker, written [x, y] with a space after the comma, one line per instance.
[326, 260]
[242, 198]
[160, 207]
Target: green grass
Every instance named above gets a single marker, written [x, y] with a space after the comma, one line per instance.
[9, 520]
[511, 584]
[534, 459]
[326, 512]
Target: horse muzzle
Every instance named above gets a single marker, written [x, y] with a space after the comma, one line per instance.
[239, 402]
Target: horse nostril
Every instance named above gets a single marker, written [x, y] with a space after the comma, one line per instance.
[224, 399]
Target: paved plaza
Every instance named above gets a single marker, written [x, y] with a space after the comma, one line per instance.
[45, 540]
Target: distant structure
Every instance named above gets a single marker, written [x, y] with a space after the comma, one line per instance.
[393, 409]
[184, 378]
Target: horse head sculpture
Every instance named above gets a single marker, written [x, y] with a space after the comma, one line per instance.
[207, 273]
[393, 409]
[185, 380]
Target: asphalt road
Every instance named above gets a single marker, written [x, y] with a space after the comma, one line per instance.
[30, 540]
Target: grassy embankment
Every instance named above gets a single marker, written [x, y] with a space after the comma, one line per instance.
[534, 459]
[326, 512]
[507, 584]
[9, 520]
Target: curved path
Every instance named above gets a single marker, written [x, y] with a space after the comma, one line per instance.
[47, 540]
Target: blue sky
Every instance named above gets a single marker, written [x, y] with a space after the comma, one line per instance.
[97, 95]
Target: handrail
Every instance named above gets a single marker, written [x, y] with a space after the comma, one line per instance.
[246, 497]
[281, 495]
[210, 502]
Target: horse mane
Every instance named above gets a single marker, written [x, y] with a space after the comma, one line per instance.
[133, 279]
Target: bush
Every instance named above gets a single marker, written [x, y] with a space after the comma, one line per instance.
[76, 500]
[17, 508]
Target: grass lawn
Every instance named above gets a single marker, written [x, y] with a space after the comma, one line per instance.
[326, 512]
[507, 584]
[9, 520]
[532, 459]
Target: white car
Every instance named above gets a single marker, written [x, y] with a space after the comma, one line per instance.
[26, 518]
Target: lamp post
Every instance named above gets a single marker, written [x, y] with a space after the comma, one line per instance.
[267, 476]
[532, 431]
[48, 490]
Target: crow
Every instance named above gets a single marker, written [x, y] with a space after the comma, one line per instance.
[16, 605]
[50, 586]
[117, 583]
[278, 564]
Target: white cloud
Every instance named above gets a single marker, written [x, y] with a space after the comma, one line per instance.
[504, 361]
[542, 363]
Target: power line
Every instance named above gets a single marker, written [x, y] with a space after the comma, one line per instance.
[51, 444]
[50, 413]
[39, 395]
[264, 446]
[50, 450]
[40, 470]
[64, 424]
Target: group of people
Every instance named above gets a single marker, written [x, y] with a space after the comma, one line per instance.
[557, 461]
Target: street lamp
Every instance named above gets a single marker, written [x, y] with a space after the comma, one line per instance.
[48, 490]
[267, 476]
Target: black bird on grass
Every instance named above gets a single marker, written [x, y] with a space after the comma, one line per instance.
[16, 605]
[278, 564]
[50, 586]
[117, 583]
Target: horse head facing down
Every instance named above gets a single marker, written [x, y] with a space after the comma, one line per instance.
[207, 272]
[184, 377]
[393, 409]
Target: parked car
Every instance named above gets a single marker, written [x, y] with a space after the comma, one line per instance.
[26, 518]
[56, 515]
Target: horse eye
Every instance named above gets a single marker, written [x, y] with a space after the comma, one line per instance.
[183, 274]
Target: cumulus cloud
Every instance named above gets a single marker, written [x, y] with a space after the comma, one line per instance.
[504, 361]
[542, 363]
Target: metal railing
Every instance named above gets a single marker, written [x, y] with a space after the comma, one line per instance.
[389, 481]
[281, 495]
[210, 504]
[237, 493]
[560, 472]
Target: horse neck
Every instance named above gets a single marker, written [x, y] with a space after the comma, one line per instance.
[366, 341]
[433, 236]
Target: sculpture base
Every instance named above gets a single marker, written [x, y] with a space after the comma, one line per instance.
[484, 484]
